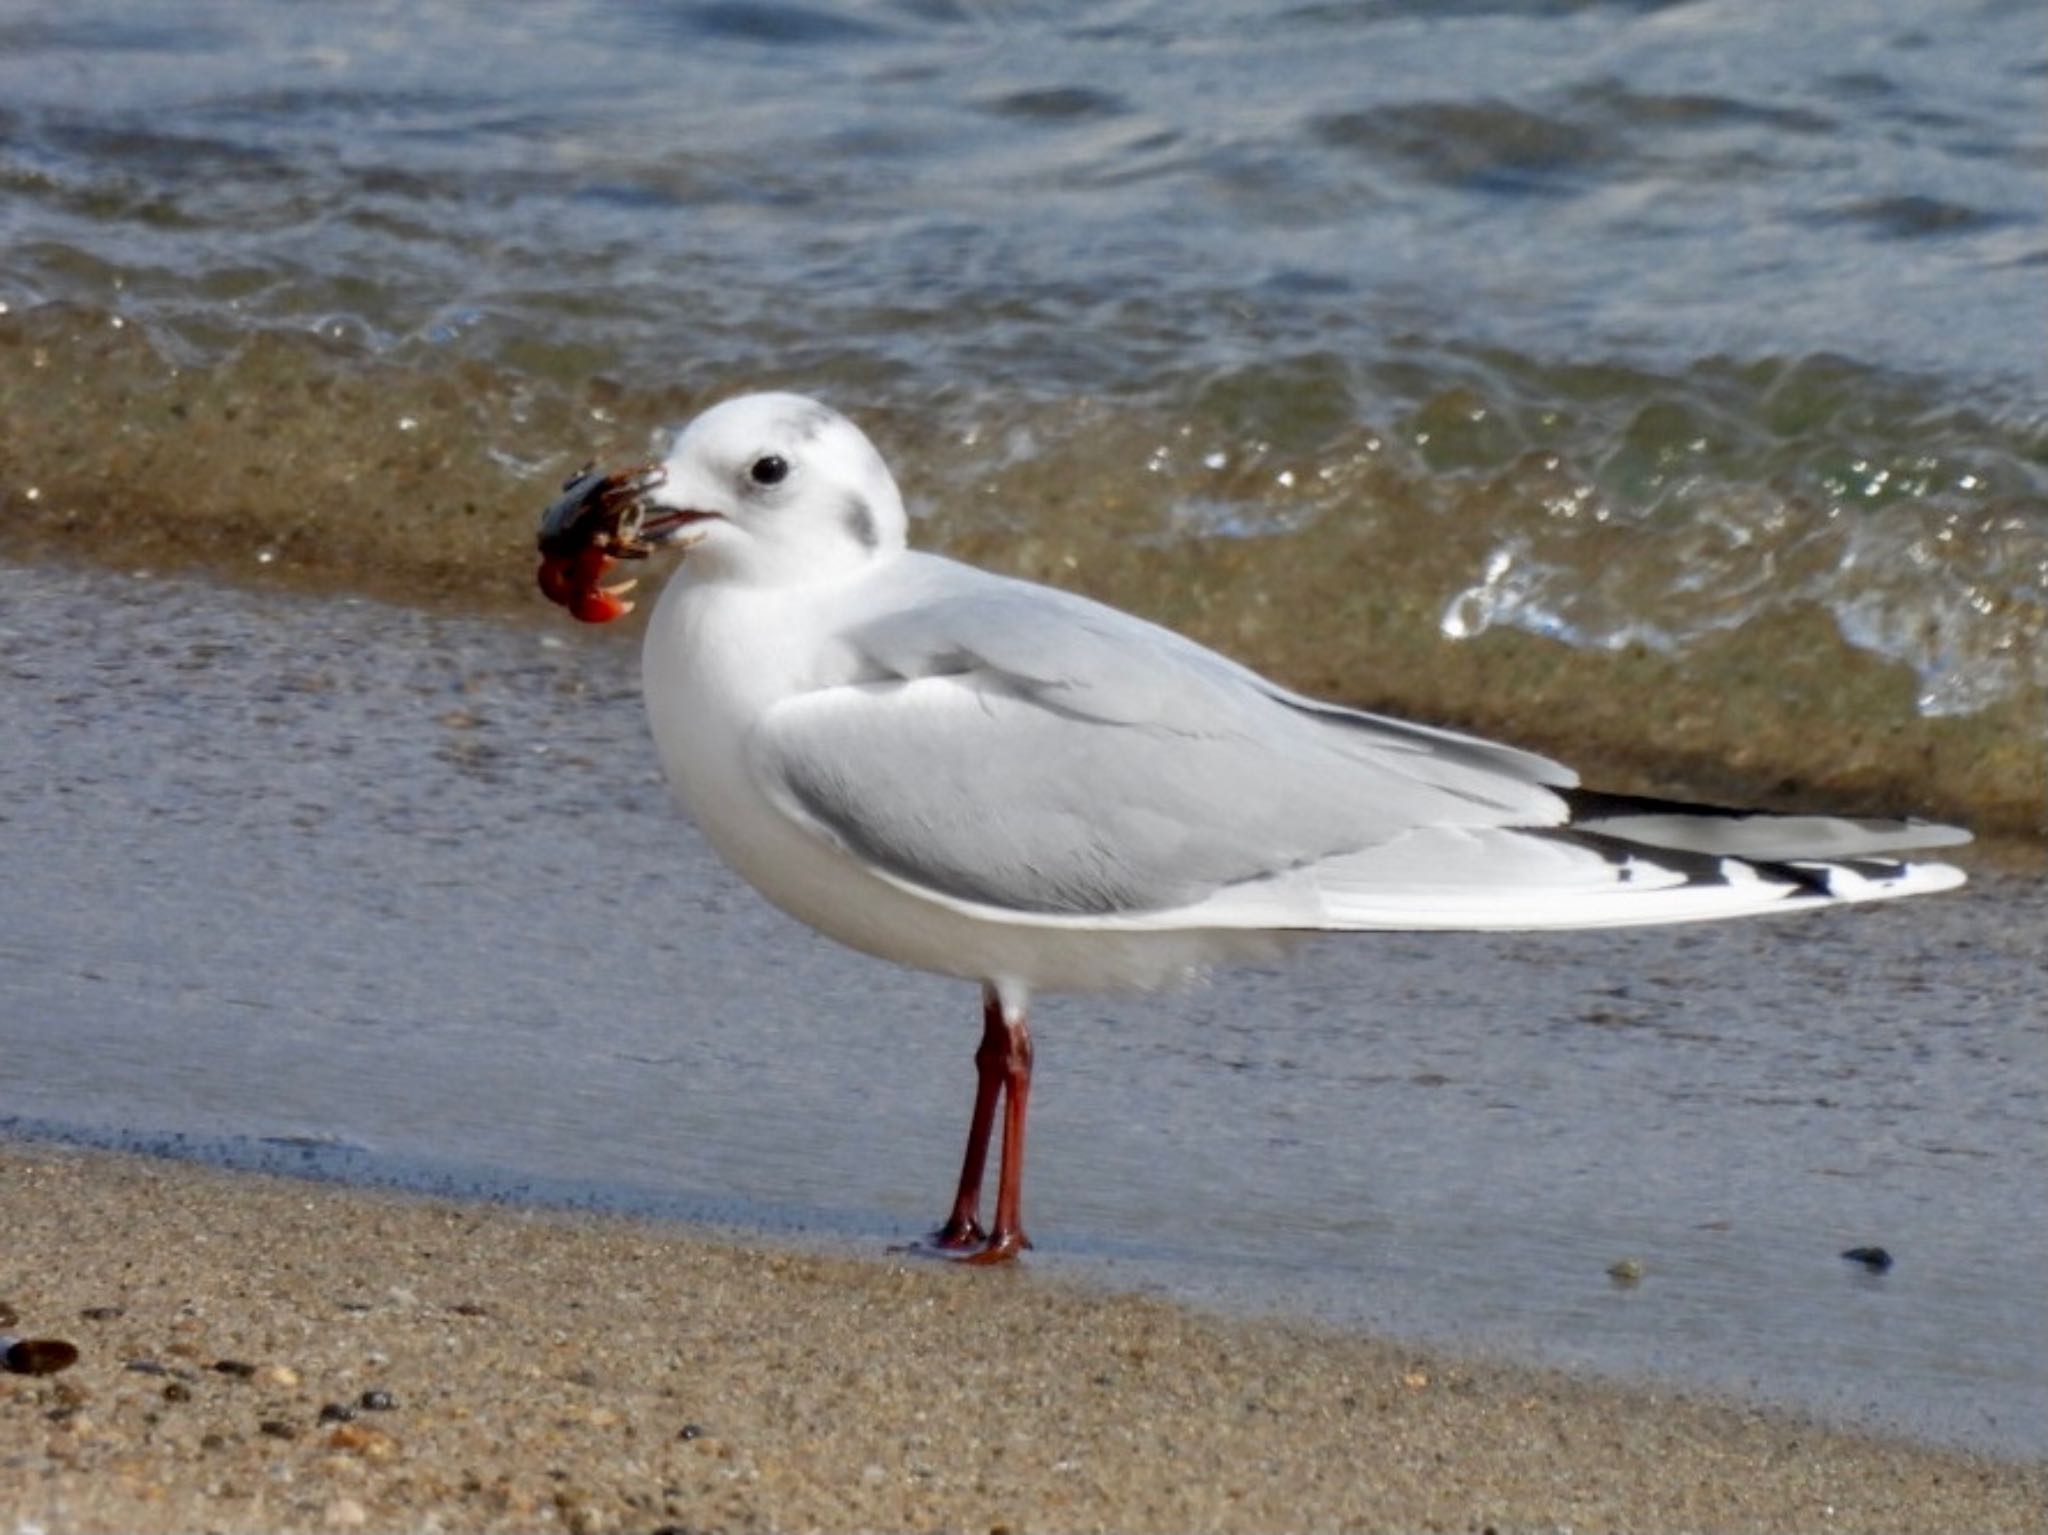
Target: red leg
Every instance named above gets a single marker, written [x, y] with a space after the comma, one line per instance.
[1012, 1056]
[963, 1226]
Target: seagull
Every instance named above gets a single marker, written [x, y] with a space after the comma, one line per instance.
[1001, 781]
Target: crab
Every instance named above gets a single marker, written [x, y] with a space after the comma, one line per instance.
[597, 520]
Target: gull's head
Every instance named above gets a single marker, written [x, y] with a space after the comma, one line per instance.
[776, 488]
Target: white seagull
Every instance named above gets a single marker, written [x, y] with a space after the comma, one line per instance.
[996, 780]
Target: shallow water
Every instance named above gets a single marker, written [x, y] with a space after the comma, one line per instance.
[349, 889]
[1644, 344]
[1085, 202]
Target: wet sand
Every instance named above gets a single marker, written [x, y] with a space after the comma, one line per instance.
[591, 1375]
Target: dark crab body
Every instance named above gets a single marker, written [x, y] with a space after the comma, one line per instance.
[598, 518]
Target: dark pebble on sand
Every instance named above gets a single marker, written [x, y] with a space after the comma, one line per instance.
[377, 1401]
[8, 1315]
[39, 1356]
[103, 1313]
[239, 1369]
[691, 1431]
[337, 1412]
[277, 1428]
[146, 1367]
[177, 1391]
[1876, 1259]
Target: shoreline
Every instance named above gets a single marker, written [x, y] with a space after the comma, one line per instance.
[1516, 690]
[597, 1373]
[281, 470]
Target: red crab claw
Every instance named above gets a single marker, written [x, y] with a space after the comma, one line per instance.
[572, 581]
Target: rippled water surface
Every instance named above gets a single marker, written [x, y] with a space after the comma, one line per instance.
[1628, 326]
[999, 197]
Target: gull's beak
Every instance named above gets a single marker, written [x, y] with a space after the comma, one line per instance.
[678, 502]
[663, 526]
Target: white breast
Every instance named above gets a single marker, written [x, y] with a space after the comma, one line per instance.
[715, 659]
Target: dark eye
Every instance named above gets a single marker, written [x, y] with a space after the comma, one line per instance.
[769, 469]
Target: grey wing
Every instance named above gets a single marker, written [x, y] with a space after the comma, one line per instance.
[1017, 748]
[1083, 657]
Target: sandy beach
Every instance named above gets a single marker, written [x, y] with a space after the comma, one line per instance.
[261, 1354]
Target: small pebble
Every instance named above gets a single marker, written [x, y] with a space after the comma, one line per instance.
[691, 1431]
[235, 1367]
[146, 1367]
[337, 1412]
[103, 1313]
[37, 1356]
[282, 1375]
[1876, 1259]
[377, 1401]
[177, 1391]
[370, 1443]
[8, 1315]
[1626, 1272]
[277, 1428]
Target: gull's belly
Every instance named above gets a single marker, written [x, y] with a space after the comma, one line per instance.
[713, 663]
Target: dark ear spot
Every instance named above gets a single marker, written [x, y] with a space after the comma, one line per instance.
[860, 522]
